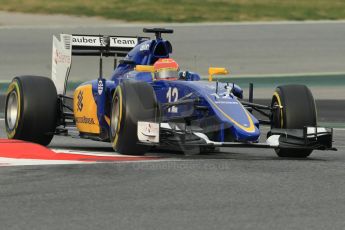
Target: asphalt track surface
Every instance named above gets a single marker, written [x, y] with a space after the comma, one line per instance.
[233, 189]
[276, 48]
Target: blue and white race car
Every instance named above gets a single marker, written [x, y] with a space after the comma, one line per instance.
[149, 102]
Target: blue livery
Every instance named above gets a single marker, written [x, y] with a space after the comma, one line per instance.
[149, 102]
[233, 122]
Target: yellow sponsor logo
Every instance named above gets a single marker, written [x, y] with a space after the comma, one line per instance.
[85, 120]
[85, 110]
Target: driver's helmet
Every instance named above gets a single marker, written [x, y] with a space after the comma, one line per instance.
[166, 69]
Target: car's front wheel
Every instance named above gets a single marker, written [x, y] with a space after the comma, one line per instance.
[294, 109]
[133, 101]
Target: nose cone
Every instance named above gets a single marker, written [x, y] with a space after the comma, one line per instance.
[230, 112]
[240, 134]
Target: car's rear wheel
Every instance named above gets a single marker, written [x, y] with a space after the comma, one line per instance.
[133, 101]
[31, 109]
[295, 109]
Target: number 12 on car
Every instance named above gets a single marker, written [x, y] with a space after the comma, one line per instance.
[172, 96]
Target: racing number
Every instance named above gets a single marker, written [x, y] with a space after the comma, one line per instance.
[172, 96]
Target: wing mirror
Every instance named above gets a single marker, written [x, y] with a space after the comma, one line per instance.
[144, 68]
[216, 71]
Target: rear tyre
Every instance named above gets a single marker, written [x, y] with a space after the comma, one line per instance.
[298, 110]
[31, 109]
[133, 101]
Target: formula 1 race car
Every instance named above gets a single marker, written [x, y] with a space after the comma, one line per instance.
[148, 102]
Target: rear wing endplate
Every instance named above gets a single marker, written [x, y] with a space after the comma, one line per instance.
[85, 45]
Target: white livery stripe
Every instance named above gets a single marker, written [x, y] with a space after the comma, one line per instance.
[17, 162]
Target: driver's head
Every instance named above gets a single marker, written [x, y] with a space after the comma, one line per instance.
[166, 69]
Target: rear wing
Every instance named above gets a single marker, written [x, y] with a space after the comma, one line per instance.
[85, 45]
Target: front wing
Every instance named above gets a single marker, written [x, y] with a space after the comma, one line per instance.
[156, 134]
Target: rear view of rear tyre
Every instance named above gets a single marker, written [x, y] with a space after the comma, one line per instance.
[31, 109]
[133, 101]
[295, 110]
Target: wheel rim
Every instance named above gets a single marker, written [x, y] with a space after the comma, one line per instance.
[115, 113]
[12, 110]
[276, 115]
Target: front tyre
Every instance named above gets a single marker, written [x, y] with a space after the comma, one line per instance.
[133, 101]
[295, 109]
[31, 109]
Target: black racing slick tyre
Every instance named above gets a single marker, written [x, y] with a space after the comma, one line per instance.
[133, 101]
[31, 109]
[295, 109]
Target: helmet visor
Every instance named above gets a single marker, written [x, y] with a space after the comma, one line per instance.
[167, 74]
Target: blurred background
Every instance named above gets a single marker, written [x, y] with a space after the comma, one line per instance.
[267, 42]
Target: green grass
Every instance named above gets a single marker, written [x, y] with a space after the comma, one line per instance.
[186, 10]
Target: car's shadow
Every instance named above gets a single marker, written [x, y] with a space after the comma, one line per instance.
[225, 154]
